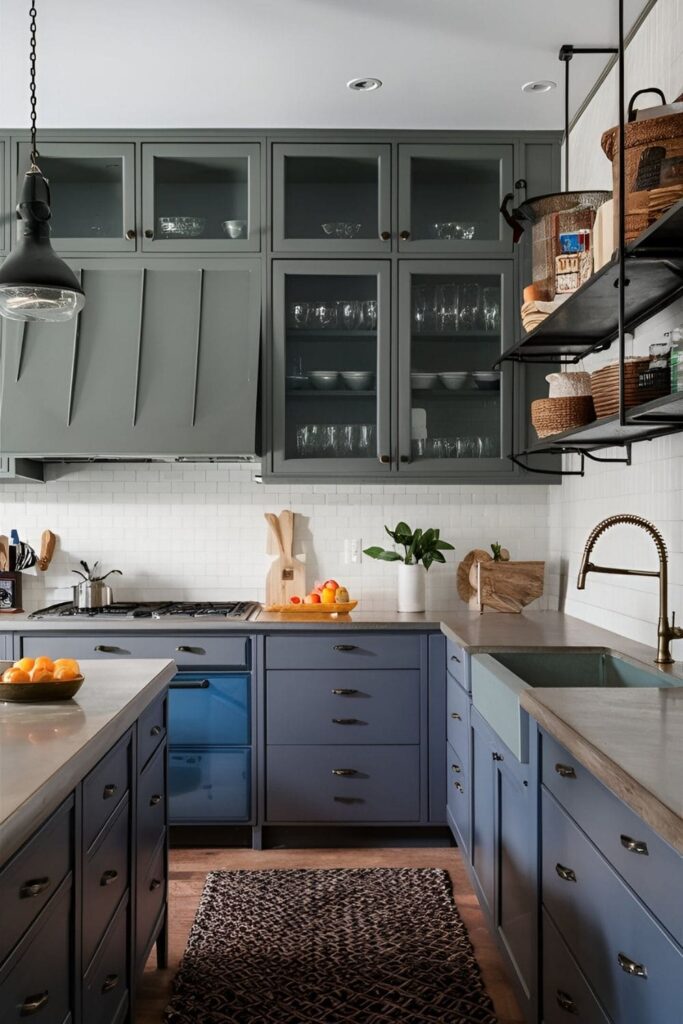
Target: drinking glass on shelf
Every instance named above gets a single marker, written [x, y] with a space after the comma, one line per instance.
[366, 440]
[329, 441]
[489, 449]
[346, 433]
[325, 314]
[419, 447]
[369, 314]
[423, 309]
[490, 306]
[446, 307]
[349, 313]
[308, 440]
[469, 312]
[299, 313]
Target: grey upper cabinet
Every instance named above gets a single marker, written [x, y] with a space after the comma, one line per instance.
[331, 368]
[332, 198]
[449, 198]
[201, 197]
[162, 362]
[92, 186]
[6, 217]
[455, 318]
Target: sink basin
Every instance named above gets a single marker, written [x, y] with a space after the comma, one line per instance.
[498, 679]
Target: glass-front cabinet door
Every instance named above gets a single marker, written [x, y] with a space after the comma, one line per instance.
[6, 217]
[330, 369]
[92, 188]
[331, 198]
[455, 318]
[449, 198]
[200, 197]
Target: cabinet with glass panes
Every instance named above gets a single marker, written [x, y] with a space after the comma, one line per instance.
[331, 372]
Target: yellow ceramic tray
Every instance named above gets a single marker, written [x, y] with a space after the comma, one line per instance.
[316, 609]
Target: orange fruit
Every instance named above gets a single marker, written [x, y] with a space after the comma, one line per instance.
[327, 596]
[15, 675]
[41, 674]
[69, 663]
[25, 664]
[44, 662]
[65, 673]
[313, 598]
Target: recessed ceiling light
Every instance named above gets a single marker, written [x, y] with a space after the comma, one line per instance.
[543, 85]
[364, 84]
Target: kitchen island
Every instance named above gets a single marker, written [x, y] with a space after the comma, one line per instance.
[83, 843]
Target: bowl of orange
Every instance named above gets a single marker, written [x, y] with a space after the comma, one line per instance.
[39, 680]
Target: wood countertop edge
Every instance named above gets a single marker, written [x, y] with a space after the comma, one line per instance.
[20, 825]
[662, 819]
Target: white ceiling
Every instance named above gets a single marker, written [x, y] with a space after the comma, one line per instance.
[284, 63]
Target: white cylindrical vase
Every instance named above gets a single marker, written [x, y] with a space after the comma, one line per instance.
[411, 587]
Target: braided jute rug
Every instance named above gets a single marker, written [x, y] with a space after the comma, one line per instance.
[329, 946]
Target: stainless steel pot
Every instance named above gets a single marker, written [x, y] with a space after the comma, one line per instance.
[92, 594]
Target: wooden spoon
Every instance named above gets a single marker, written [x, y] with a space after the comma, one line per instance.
[48, 542]
[274, 524]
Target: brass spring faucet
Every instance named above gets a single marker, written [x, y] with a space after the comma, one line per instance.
[665, 632]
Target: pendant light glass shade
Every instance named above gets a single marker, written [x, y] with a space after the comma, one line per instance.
[35, 284]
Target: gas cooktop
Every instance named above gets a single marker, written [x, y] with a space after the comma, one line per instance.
[234, 610]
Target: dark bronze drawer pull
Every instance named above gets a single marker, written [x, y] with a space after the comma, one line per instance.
[345, 721]
[340, 691]
[496, 756]
[566, 874]
[454, 657]
[404, 236]
[184, 649]
[109, 877]
[109, 790]
[565, 770]
[565, 1002]
[459, 787]
[385, 235]
[190, 684]
[34, 888]
[155, 730]
[344, 647]
[154, 799]
[110, 982]
[348, 800]
[154, 884]
[634, 845]
[456, 768]
[344, 771]
[108, 649]
[456, 715]
[631, 967]
[33, 1004]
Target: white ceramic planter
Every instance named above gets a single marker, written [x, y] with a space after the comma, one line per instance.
[411, 587]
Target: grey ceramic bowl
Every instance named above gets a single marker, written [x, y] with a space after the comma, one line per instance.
[235, 228]
[455, 381]
[358, 380]
[324, 380]
[423, 381]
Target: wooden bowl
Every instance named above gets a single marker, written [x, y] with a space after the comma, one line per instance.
[40, 693]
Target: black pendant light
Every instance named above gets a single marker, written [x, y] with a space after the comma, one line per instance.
[35, 284]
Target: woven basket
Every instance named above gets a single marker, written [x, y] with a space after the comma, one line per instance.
[605, 386]
[555, 415]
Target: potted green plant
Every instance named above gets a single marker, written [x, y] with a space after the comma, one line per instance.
[421, 548]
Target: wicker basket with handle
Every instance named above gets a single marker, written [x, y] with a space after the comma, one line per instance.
[605, 386]
[555, 415]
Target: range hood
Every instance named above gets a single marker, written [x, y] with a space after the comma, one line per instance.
[161, 364]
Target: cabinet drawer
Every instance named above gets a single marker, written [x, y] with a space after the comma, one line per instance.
[209, 785]
[187, 650]
[34, 874]
[151, 729]
[457, 725]
[566, 993]
[604, 925]
[344, 650]
[455, 662]
[209, 708]
[151, 806]
[105, 879]
[104, 788]
[105, 986]
[37, 980]
[618, 833]
[151, 895]
[458, 792]
[302, 786]
[329, 707]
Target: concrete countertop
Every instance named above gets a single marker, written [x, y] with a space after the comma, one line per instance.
[630, 739]
[46, 749]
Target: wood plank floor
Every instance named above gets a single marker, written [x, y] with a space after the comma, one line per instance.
[188, 869]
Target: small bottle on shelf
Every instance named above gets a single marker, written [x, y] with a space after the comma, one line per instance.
[676, 338]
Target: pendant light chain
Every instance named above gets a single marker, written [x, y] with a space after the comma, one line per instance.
[32, 56]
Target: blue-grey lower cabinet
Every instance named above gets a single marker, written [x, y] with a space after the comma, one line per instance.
[84, 899]
[210, 754]
[604, 878]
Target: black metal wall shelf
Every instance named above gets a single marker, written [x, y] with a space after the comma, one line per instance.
[588, 320]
